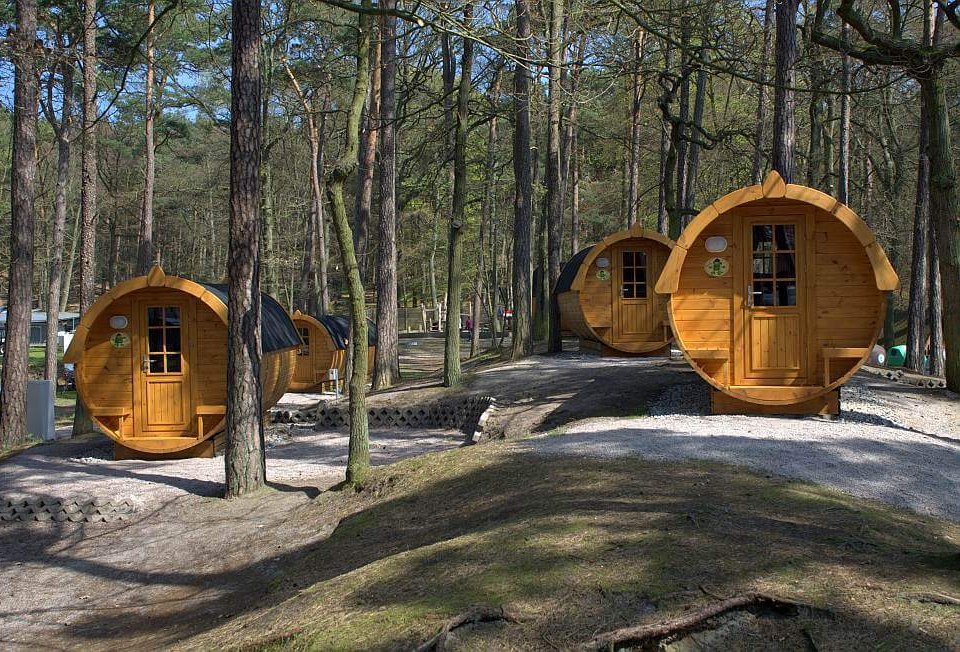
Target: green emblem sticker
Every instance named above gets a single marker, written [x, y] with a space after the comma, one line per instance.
[603, 274]
[120, 340]
[717, 266]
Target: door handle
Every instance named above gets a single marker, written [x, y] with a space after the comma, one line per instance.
[750, 295]
[145, 364]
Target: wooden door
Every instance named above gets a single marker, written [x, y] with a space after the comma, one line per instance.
[634, 302]
[774, 277]
[164, 405]
[304, 371]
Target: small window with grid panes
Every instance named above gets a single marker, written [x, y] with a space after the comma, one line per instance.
[163, 340]
[304, 349]
[633, 275]
[774, 270]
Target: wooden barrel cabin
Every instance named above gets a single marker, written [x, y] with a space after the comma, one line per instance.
[324, 347]
[606, 295]
[777, 296]
[151, 363]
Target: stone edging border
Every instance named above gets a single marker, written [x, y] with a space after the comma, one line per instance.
[60, 510]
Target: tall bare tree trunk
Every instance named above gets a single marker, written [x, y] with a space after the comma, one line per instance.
[944, 212]
[244, 456]
[917, 312]
[575, 195]
[756, 173]
[451, 355]
[693, 161]
[523, 199]
[784, 122]
[487, 224]
[843, 172]
[88, 186]
[358, 455]
[62, 129]
[938, 358]
[554, 183]
[368, 154]
[387, 361]
[635, 125]
[145, 243]
[71, 259]
[16, 352]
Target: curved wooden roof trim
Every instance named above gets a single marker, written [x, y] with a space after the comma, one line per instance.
[156, 278]
[310, 319]
[773, 187]
[635, 231]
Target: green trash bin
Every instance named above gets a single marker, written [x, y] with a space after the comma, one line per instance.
[897, 355]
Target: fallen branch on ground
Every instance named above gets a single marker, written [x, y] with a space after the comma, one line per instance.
[476, 614]
[648, 634]
[938, 598]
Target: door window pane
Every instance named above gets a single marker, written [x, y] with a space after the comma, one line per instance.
[173, 316]
[641, 290]
[627, 291]
[173, 363]
[762, 237]
[787, 293]
[640, 259]
[173, 339]
[786, 237]
[156, 364]
[628, 259]
[154, 316]
[786, 265]
[628, 274]
[763, 294]
[763, 265]
[155, 339]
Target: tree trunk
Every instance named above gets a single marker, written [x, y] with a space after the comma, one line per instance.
[62, 130]
[16, 352]
[244, 456]
[523, 198]
[944, 213]
[486, 220]
[554, 183]
[756, 173]
[693, 163]
[88, 186]
[387, 361]
[145, 242]
[575, 196]
[843, 172]
[367, 160]
[680, 126]
[358, 456]
[68, 272]
[451, 356]
[635, 128]
[937, 353]
[917, 312]
[784, 127]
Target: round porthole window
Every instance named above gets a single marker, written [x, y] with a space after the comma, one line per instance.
[715, 244]
[118, 322]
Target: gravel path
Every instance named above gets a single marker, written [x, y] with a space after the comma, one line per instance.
[897, 445]
[296, 455]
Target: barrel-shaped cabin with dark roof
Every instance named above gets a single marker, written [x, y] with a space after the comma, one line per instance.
[324, 342]
[151, 363]
[606, 294]
[777, 295]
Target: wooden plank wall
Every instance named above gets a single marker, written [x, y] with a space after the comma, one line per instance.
[849, 305]
[107, 370]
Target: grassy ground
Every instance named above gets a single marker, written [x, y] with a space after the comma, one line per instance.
[580, 547]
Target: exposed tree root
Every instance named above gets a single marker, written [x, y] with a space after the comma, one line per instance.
[480, 613]
[648, 636]
[938, 598]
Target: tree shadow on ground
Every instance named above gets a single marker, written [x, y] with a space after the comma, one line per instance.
[564, 536]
